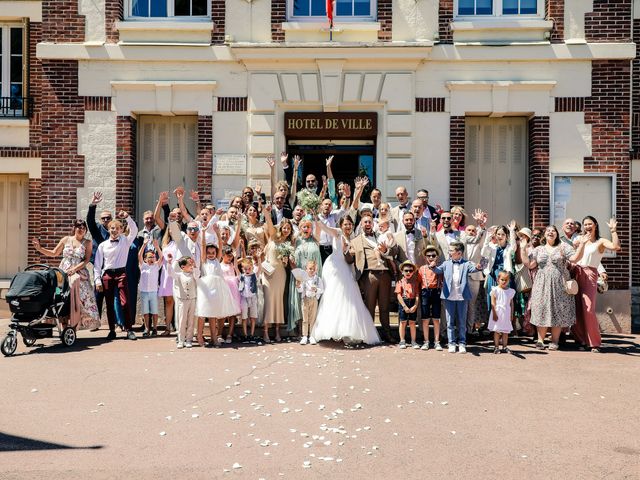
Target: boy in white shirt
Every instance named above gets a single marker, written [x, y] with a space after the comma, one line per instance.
[184, 273]
[150, 262]
[311, 290]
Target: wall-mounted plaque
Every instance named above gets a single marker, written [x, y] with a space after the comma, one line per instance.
[229, 164]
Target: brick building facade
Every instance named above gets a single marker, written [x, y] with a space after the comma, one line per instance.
[94, 73]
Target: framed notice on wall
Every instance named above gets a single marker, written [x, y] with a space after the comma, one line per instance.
[229, 164]
[575, 195]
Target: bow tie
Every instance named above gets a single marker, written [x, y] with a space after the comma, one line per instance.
[403, 207]
[459, 262]
[411, 232]
[448, 231]
[370, 235]
[115, 241]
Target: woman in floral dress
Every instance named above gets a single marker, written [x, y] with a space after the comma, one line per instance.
[76, 253]
[551, 306]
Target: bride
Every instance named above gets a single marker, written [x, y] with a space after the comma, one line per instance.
[342, 315]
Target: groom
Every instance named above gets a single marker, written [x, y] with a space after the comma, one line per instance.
[372, 272]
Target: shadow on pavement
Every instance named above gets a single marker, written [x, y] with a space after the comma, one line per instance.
[12, 443]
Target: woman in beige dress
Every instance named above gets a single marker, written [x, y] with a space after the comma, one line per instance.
[274, 282]
[253, 229]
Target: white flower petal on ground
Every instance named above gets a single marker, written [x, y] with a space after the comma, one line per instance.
[162, 434]
[236, 466]
[444, 403]
[387, 420]
[34, 390]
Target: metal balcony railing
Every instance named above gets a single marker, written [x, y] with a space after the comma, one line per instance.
[16, 107]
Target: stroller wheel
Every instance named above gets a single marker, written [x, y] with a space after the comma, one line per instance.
[68, 336]
[9, 344]
[28, 341]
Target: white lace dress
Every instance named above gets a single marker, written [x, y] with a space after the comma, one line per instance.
[342, 315]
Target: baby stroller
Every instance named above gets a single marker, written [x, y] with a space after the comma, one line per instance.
[39, 298]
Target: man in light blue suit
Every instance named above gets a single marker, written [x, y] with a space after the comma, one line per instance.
[456, 294]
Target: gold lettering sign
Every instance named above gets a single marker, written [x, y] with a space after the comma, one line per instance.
[331, 125]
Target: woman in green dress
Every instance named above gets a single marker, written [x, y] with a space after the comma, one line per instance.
[306, 248]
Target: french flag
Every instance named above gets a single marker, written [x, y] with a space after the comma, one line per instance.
[330, 12]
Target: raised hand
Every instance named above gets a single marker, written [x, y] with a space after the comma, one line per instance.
[297, 161]
[284, 157]
[329, 160]
[36, 243]
[163, 198]
[346, 189]
[258, 189]
[477, 215]
[122, 214]
[434, 225]
[268, 207]
[97, 198]
[523, 243]
[325, 182]
[219, 212]
[195, 196]
[512, 225]
[613, 225]
[179, 192]
[271, 162]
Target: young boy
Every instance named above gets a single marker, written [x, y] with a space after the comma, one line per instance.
[431, 284]
[408, 293]
[456, 294]
[150, 262]
[248, 288]
[311, 290]
[184, 273]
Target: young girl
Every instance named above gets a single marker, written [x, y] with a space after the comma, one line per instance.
[230, 273]
[501, 308]
[150, 262]
[214, 300]
[248, 289]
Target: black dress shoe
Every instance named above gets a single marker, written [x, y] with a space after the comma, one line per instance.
[111, 335]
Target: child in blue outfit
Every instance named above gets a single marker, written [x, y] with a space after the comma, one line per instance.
[456, 294]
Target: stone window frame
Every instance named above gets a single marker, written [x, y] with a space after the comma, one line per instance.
[373, 8]
[497, 13]
[185, 18]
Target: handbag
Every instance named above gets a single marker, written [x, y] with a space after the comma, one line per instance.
[571, 287]
[523, 279]
[267, 268]
[602, 285]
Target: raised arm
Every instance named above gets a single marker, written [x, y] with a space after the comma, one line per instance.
[614, 243]
[133, 228]
[294, 181]
[179, 192]
[156, 246]
[271, 230]
[141, 252]
[163, 199]
[272, 174]
[94, 228]
[331, 182]
[45, 251]
[334, 232]
[526, 261]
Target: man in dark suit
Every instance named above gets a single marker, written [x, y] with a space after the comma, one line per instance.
[429, 211]
[281, 208]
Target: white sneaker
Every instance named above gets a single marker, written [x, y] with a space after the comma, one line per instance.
[188, 344]
[402, 345]
[462, 348]
[438, 347]
[452, 348]
[312, 341]
[180, 345]
[304, 340]
[425, 346]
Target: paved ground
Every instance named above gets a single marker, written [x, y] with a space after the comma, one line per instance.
[145, 410]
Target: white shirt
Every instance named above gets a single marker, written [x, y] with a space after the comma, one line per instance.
[113, 254]
[330, 220]
[279, 214]
[456, 292]
[184, 284]
[149, 277]
[411, 247]
[312, 287]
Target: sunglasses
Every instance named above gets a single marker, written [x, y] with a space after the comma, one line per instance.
[105, 219]
[445, 218]
[406, 270]
[431, 255]
[193, 229]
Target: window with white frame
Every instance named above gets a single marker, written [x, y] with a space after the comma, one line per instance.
[11, 70]
[168, 9]
[499, 8]
[345, 10]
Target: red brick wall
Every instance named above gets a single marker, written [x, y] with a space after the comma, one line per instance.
[445, 17]
[35, 78]
[555, 11]
[456, 160]
[430, 104]
[278, 15]
[539, 212]
[205, 157]
[113, 12]
[610, 21]
[61, 22]
[569, 104]
[385, 17]
[62, 167]
[607, 110]
[126, 164]
[35, 217]
[97, 104]
[218, 19]
[635, 95]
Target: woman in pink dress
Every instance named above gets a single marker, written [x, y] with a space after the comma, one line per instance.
[76, 253]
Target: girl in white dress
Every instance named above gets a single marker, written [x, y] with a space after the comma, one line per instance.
[342, 315]
[500, 315]
[214, 300]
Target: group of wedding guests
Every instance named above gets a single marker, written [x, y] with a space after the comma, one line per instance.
[321, 261]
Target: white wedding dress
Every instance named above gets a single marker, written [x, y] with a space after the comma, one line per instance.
[342, 315]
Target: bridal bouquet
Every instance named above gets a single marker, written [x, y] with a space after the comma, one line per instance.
[308, 200]
[283, 251]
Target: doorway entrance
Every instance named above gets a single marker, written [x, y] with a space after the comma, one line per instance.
[349, 162]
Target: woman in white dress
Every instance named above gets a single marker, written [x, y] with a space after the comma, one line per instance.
[342, 315]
